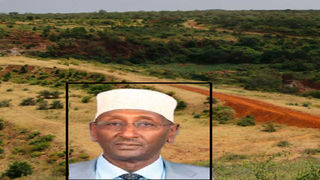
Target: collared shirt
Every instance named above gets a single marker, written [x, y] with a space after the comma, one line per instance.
[106, 170]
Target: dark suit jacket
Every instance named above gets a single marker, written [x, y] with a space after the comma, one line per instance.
[87, 170]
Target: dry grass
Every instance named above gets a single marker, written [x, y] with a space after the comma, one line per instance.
[252, 141]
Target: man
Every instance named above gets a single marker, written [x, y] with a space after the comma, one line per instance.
[131, 126]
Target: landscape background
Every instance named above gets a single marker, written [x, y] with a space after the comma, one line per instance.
[264, 66]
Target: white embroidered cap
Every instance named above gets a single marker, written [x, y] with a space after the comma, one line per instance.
[141, 99]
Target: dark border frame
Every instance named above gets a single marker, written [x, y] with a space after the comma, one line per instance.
[67, 114]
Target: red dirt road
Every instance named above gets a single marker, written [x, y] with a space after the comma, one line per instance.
[262, 111]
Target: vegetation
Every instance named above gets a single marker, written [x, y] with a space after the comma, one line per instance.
[246, 121]
[5, 103]
[18, 169]
[223, 114]
[28, 102]
[269, 127]
[85, 99]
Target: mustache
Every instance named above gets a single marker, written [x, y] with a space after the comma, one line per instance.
[128, 141]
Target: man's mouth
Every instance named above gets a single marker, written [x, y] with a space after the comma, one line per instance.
[128, 146]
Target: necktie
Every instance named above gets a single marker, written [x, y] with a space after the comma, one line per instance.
[131, 176]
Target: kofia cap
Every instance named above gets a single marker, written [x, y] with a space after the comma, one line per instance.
[140, 99]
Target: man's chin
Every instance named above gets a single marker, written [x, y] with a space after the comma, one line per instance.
[129, 155]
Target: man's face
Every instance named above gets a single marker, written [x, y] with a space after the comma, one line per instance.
[128, 134]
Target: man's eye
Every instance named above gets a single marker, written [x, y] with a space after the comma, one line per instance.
[113, 124]
[145, 124]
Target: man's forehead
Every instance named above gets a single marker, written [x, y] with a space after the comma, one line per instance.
[132, 113]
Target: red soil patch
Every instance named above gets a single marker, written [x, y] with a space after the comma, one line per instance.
[263, 112]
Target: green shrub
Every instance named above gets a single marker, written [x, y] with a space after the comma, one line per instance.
[214, 100]
[34, 134]
[49, 95]
[315, 94]
[96, 89]
[283, 144]
[181, 105]
[52, 158]
[56, 105]
[85, 99]
[197, 116]
[46, 138]
[247, 121]
[83, 156]
[1, 124]
[6, 76]
[1, 151]
[23, 69]
[233, 157]
[5, 103]
[223, 114]
[42, 105]
[306, 104]
[18, 169]
[263, 82]
[36, 154]
[312, 151]
[40, 146]
[28, 102]
[171, 93]
[269, 127]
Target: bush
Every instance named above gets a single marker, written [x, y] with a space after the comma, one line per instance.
[283, 144]
[18, 169]
[85, 99]
[181, 105]
[34, 134]
[312, 151]
[56, 105]
[46, 138]
[40, 146]
[6, 76]
[83, 156]
[1, 151]
[233, 157]
[23, 69]
[1, 124]
[49, 95]
[263, 82]
[96, 89]
[223, 114]
[5, 103]
[214, 100]
[315, 94]
[247, 121]
[197, 116]
[43, 105]
[28, 102]
[269, 127]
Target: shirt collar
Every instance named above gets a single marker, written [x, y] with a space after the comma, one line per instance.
[106, 170]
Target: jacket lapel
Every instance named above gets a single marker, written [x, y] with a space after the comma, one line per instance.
[176, 171]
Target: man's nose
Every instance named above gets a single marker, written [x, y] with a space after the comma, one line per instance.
[129, 131]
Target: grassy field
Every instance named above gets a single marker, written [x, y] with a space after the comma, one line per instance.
[245, 150]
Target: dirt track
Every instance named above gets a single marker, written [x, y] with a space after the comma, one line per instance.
[262, 111]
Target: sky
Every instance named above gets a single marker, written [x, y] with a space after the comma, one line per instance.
[71, 6]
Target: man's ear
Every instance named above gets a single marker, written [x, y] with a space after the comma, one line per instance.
[173, 131]
[93, 132]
